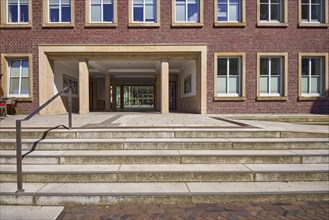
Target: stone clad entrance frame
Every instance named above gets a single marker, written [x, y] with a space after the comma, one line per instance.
[82, 53]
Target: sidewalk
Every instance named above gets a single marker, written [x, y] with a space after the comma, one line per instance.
[281, 211]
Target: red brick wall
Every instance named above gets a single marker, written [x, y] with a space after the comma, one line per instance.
[249, 39]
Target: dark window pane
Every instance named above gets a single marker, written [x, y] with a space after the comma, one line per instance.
[275, 66]
[193, 12]
[54, 15]
[305, 67]
[222, 12]
[138, 14]
[234, 66]
[13, 13]
[66, 14]
[24, 13]
[108, 12]
[316, 66]
[264, 67]
[316, 13]
[305, 12]
[264, 12]
[222, 66]
[275, 12]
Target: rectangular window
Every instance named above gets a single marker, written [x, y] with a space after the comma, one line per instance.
[101, 11]
[228, 11]
[312, 72]
[228, 76]
[18, 78]
[313, 11]
[187, 11]
[59, 11]
[144, 11]
[270, 82]
[271, 11]
[18, 11]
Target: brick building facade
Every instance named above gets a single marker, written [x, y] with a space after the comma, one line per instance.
[291, 40]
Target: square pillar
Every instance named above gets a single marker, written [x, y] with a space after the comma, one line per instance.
[164, 87]
[83, 87]
[107, 92]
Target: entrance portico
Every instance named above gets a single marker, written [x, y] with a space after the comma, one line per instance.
[101, 71]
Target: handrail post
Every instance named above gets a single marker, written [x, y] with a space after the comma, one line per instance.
[19, 156]
[70, 108]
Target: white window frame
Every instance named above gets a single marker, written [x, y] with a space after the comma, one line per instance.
[269, 77]
[228, 94]
[102, 13]
[60, 13]
[186, 13]
[281, 18]
[310, 12]
[309, 94]
[19, 13]
[228, 12]
[20, 77]
[144, 11]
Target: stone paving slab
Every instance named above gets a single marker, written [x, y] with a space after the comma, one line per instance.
[30, 212]
[219, 211]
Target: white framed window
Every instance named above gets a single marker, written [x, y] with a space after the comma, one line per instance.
[311, 78]
[187, 11]
[271, 11]
[18, 79]
[59, 11]
[18, 11]
[228, 11]
[313, 11]
[228, 76]
[271, 71]
[144, 11]
[102, 11]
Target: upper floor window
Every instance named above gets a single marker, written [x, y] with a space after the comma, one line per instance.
[229, 12]
[101, 11]
[18, 11]
[144, 11]
[59, 11]
[187, 11]
[271, 10]
[313, 13]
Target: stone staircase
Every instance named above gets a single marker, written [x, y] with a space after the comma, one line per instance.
[164, 165]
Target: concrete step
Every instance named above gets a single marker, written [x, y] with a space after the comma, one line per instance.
[168, 173]
[46, 194]
[157, 133]
[169, 157]
[169, 144]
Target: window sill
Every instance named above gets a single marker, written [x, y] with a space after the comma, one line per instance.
[105, 25]
[272, 98]
[223, 99]
[58, 25]
[313, 25]
[187, 24]
[230, 24]
[13, 26]
[143, 25]
[313, 98]
[27, 99]
[272, 24]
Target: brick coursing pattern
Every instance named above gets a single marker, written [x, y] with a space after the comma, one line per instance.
[250, 39]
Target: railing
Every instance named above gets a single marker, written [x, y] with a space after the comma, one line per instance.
[19, 157]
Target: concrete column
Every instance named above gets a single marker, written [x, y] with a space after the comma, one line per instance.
[164, 87]
[83, 87]
[107, 92]
[94, 94]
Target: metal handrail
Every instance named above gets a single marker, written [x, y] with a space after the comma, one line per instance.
[19, 157]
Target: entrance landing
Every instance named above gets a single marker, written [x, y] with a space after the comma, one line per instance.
[124, 120]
